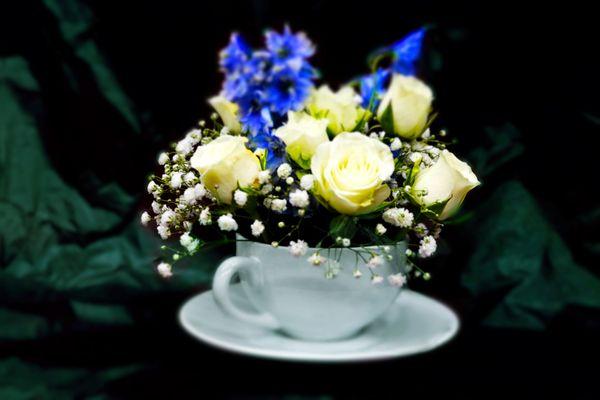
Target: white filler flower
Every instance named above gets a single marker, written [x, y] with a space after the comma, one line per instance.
[257, 228]
[400, 217]
[284, 170]
[264, 176]
[165, 270]
[396, 144]
[189, 177]
[145, 218]
[163, 231]
[152, 186]
[240, 198]
[307, 182]
[167, 216]
[279, 205]
[227, 223]
[188, 242]
[427, 246]
[163, 158]
[176, 180]
[375, 262]
[299, 198]
[397, 280]
[298, 248]
[205, 217]
[316, 259]
[189, 196]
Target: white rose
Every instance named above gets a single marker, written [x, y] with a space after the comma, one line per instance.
[448, 179]
[224, 164]
[302, 134]
[228, 113]
[409, 100]
[350, 171]
[340, 108]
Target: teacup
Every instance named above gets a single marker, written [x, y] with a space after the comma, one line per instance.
[324, 302]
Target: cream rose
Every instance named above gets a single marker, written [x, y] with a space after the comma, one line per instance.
[448, 179]
[227, 111]
[301, 135]
[409, 100]
[350, 171]
[341, 108]
[224, 164]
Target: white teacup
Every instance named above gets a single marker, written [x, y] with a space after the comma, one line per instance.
[295, 296]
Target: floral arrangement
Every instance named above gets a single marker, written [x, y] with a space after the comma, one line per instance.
[287, 163]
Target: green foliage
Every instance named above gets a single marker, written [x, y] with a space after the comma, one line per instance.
[434, 210]
[387, 119]
[412, 174]
[343, 226]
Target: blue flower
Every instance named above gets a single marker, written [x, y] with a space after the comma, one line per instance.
[256, 120]
[234, 55]
[405, 55]
[287, 89]
[274, 146]
[267, 83]
[288, 46]
[406, 52]
[372, 87]
[290, 78]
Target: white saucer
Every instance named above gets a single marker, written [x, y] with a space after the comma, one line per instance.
[414, 324]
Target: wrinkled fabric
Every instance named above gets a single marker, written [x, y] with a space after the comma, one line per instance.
[518, 255]
[69, 262]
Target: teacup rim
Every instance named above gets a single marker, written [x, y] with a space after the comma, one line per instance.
[369, 247]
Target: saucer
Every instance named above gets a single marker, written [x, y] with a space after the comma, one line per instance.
[414, 324]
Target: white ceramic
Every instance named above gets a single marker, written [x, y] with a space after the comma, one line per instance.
[294, 296]
[413, 324]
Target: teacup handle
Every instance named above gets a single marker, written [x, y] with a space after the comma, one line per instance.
[222, 284]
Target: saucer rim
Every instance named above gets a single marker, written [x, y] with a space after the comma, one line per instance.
[355, 356]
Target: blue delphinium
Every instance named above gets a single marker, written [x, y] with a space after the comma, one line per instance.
[287, 89]
[405, 54]
[288, 46]
[372, 87]
[235, 54]
[268, 83]
[274, 146]
[407, 51]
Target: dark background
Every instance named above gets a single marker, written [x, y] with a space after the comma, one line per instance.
[90, 91]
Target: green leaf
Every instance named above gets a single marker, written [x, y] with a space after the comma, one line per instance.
[434, 210]
[304, 163]
[343, 226]
[387, 119]
[438, 206]
[263, 159]
[432, 117]
[410, 178]
[365, 115]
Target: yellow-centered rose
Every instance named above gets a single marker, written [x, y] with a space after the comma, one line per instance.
[341, 108]
[409, 101]
[302, 134]
[224, 164]
[227, 111]
[448, 179]
[350, 172]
